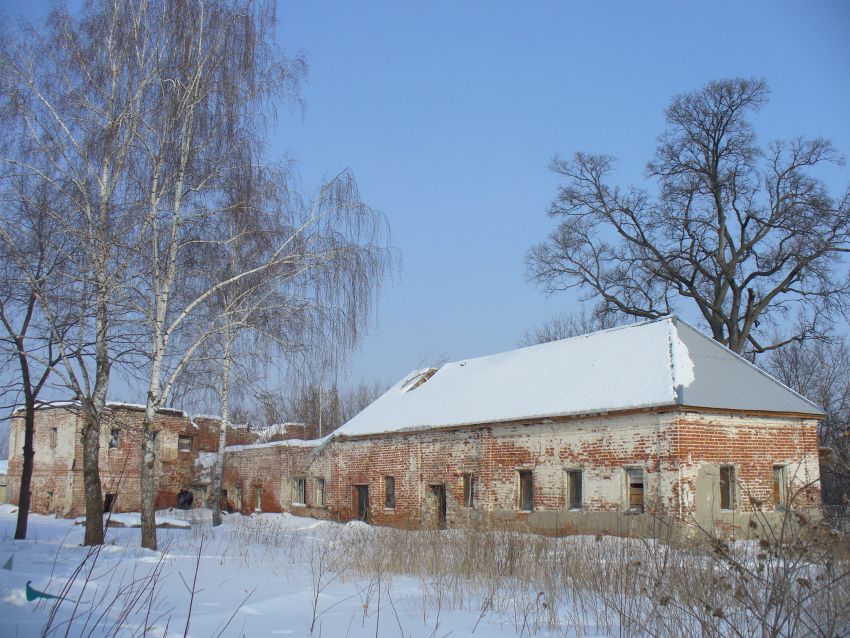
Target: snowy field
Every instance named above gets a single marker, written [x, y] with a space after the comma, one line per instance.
[253, 576]
[280, 575]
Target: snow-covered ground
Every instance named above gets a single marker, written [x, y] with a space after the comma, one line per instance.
[253, 576]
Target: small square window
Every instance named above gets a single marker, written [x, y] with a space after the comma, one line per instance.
[114, 438]
[184, 443]
[727, 487]
[526, 490]
[574, 489]
[468, 490]
[299, 491]
[320, 492]
[389, 492]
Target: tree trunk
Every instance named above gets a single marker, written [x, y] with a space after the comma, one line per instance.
[225, 420]
[24, 495]
[147, 487]
[91, 481]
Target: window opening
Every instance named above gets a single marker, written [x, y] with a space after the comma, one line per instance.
[258, 499]
[109, 503]
[727, 487]
[526, 490]
[574, 495]
[114, 435]
[779, 485]
[320, 492]
[635, 483]
[53, 437]
[299, 491]
[389, 492]
[468, 490]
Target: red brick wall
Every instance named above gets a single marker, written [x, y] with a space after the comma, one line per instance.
[58, 469]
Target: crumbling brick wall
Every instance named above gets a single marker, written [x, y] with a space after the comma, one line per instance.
[57, 483]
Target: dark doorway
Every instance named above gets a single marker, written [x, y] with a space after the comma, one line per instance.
[108, 503]
[440, 501]
[362, 496]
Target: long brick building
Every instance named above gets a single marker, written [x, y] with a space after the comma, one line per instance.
[630, 430]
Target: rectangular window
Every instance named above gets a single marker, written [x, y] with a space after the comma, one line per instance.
[238, 499]
[114, 435]
[727, 487]
[574, 496]
[320, 492]
[51, 503]
[634, 477]
[54, 435]
[526, 490]
[468, 490]
[779, 485]
[184, 443]
[299, 491]
[258, 499]
[389, 492]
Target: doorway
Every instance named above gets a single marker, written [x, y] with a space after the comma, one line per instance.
[439, 492]
[361, 496]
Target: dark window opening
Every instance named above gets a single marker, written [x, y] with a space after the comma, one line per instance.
[468, 490]
[635, 484]
[526, 490]
[389, 492]
[184, 443]
[320, 492]
[574, 495]
[114, 435]
[109, 503]
[727, 487]
[53, 437]
[361, 496]
[439, 492]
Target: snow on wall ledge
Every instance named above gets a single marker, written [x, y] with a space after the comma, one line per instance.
[650, 364]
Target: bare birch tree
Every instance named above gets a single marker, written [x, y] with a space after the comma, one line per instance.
[74, 110]
[744, 233]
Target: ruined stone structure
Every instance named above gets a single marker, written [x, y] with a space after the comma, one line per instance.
[186, 450]
[635, 430]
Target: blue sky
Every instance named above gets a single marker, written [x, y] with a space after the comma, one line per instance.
[449, 112]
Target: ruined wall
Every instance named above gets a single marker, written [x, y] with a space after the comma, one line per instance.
[677, 452]
[753, 445]
[267, 467]
[57, 484]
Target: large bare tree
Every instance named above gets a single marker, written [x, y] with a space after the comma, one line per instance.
[744, 233]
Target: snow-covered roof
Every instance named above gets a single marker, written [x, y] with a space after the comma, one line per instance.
[664, 362]
[286, 443]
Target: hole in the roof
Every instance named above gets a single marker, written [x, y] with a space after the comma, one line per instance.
[418, 379]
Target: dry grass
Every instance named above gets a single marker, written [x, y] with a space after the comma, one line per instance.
[792, 582]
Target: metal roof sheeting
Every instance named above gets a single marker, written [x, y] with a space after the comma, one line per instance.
[656, 363]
